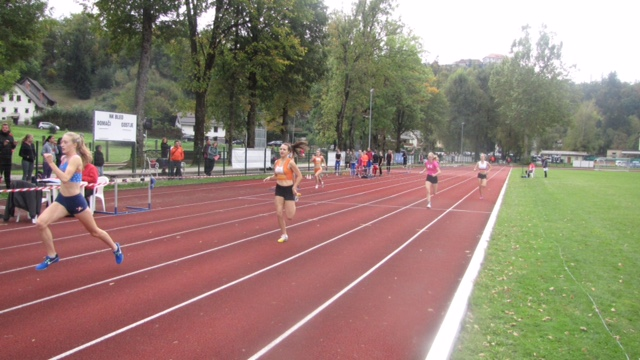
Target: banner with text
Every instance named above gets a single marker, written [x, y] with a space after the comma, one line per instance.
[111, 126]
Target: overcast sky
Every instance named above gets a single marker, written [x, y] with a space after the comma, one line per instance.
[598, 37]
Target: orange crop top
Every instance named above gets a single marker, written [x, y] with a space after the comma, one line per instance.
[283, 172]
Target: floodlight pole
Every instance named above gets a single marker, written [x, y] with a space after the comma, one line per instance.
[370, 112]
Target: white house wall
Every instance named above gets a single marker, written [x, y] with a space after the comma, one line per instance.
[25, 108]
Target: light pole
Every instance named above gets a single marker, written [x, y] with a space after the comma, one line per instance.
[461, 141]
[370, 111]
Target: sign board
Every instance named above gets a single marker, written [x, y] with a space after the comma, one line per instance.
[114, 127]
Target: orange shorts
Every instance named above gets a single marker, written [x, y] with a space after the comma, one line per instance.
[317, 170]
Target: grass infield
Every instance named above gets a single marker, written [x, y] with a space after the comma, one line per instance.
[560, 278]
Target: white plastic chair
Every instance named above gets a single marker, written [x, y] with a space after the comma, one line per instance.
[98, 193]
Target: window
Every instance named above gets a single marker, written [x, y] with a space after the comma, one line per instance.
[15, 110]
[10, 97]
[28, 101]
[215, 129]
[26, 111]
[4, 109]
[18, 98]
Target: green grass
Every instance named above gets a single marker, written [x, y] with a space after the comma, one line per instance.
[564, 249]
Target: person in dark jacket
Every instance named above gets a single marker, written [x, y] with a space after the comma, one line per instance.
[98, 160]
[164, 155]
[7, 145]
[28, 155]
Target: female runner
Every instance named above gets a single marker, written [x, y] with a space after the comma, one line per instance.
[70, 200]
[318, 160]
[284, 170]
[484, 167]
[432, 167]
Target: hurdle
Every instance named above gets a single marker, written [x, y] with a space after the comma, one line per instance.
[150, 180]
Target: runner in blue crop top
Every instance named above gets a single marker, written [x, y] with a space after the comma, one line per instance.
[77, 176]
[71, 199]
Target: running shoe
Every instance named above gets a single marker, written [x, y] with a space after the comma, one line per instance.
[316, 186]
[119, 255]
[48, 261]
[429, 205]
[323, 184]
[283, 239]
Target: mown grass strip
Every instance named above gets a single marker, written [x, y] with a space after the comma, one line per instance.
[560, 279]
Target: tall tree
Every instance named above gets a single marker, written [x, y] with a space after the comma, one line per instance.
[355, 42]
[467, 106]
[583, 131]
[132, 22]
[531, 91]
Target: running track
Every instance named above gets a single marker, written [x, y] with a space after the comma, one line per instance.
[368, 273]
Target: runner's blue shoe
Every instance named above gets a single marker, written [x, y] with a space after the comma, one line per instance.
[119, 255]
[48, 261]
[153, 183]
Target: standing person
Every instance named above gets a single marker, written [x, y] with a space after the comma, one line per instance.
[380, 160]
[348, 159]
[369, 161]
[364, 163]
[177, 157]
[483, 166]
[28, 155]
[214, 154]
[49, 147]
[164, 155]
[404, 159]
[70, 200]
[58, 152]
[389, 159]
[98, 160]
[338, 158]
[285, 170]
[318, 161]
[7, 145]
[208, 160]
[432, 167]
[545, 166]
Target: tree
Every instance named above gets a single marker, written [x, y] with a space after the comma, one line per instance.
[21, 35]
[583, 132]
[128, 21]
[355, 42]
[531, 91]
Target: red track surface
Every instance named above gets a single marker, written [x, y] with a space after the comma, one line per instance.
[368, 273]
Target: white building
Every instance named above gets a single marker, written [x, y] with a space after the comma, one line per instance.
[27, 99]
[187, 122]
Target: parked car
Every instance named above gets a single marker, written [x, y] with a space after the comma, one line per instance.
[187, 138]
[238, 142]
[275, 143]
[47, 125]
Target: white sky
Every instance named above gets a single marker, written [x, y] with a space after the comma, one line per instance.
[597, 38]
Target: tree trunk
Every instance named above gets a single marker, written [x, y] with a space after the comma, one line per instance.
[143, 80]
[253, 110]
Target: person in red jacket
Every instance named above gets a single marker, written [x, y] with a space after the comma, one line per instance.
[90, 175]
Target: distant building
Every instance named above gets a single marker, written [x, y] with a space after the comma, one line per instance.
[27, 99]
[488, 60]
[493, 59]
[187, 122]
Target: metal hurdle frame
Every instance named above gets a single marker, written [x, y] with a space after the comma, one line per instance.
[131, 209]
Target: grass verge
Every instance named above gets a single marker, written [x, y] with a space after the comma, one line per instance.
[560, 278]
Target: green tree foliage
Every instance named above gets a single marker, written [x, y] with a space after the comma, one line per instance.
[405, 92]
[583, 134]
[21, 35]
[467, 105]
[531, 92]
[355, 42]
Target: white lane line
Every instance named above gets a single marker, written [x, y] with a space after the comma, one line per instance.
[311, 315]
[447, 335]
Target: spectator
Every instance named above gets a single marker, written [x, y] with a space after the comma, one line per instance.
[164, 155]
[98, 160]
[545, 166]
[49, 147]
[90, 175]
[208, 159]
[7, 145]
[177, 157]
[389, 160]
[28, 155]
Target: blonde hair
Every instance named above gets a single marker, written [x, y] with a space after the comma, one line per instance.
[81, 148]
